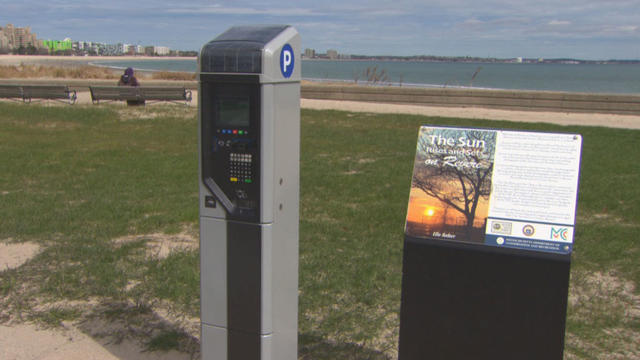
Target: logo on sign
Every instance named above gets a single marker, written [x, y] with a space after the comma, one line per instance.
[287, 61]
[528, 230]
[501, 227]
[557, 234]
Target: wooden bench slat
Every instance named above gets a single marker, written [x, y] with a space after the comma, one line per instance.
[10, 91]
[37, 92]
[114, 93]
[45, 92]
[163, 93]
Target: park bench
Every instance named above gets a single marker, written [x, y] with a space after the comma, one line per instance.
[147, 93]
[27, 93]
[11, 92]
[49, 92]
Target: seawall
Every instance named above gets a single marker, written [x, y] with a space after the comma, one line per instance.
[495, 99]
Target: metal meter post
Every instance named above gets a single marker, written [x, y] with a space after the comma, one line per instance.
[249, 138]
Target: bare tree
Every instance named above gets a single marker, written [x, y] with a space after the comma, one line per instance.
[373, 76]
[460, 174]
[473, 77]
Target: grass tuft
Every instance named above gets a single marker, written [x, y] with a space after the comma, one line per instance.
[55, 316]
[167, 340]
[173, 75]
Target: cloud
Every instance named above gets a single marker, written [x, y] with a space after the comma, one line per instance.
[221, 10]
[559, 22]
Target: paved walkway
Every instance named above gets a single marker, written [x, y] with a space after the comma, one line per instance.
[581, 119]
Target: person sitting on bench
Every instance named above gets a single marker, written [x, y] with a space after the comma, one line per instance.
[127, 79]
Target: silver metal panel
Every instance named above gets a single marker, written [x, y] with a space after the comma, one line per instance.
[266, 348]
[215, 346]
[271, 57]
[267, 283]
[213, 271]
[267, 140]
[286, 218]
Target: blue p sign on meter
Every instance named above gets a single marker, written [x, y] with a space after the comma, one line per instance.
[287, 61]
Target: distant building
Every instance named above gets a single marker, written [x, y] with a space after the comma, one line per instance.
[12, 37]
[309, 53]
[332, 54]
[4, 40]
[22, 40]
[161, 50]
[57, 45]
[123, 48]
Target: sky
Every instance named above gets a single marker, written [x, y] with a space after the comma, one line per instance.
[582, 29]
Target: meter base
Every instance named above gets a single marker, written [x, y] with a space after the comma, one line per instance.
[223, 344]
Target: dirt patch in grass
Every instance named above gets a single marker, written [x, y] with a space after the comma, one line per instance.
[605, 218]
[160, 245]
[160, 111]
[351, 172]
[143, 328]
[606, 286]
[609, 307]
[13, 255]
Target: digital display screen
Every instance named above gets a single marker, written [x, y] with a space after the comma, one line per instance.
[233, 112]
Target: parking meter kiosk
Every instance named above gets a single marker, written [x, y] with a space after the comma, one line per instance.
[249, 136]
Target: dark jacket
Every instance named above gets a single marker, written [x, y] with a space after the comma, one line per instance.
[129, 80]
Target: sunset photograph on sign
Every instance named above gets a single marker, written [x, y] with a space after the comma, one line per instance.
[451, 183]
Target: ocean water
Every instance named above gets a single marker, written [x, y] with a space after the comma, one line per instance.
[591, 78]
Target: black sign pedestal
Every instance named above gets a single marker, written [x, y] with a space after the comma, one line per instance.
[467, 301]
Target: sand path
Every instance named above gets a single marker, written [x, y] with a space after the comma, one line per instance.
[27, 341]
[580, 119]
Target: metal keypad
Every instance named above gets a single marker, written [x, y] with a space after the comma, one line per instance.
[240, 168]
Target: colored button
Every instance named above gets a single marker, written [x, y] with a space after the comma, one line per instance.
[248, 181]
[235, 132]
[233, 179]
[241, 132]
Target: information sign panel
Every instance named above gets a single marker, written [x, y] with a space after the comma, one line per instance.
[499, 188]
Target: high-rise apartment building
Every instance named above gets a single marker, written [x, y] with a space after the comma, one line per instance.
[12, 37]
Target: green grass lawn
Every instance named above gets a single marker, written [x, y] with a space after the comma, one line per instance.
[96, 185]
